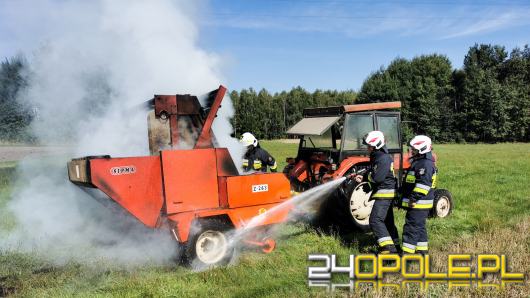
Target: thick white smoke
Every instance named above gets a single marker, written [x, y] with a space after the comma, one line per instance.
[223, 130]
[94, 61]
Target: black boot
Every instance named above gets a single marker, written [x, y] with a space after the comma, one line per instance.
[388, 249]
[422, 252]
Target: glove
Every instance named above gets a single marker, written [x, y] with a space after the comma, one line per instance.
[412, 200]
[367, 187]
[396, 202]
[358, 178]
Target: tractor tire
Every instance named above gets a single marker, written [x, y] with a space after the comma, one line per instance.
[357, 205]
[348, 209]
[443, 204]
[209, 244]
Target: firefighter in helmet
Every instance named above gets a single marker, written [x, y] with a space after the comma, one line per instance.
[256, 158]
[383, 183]
[418, 195]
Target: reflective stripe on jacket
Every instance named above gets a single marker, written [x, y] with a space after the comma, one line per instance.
[258, 159]
[420, 181]
[381, 176]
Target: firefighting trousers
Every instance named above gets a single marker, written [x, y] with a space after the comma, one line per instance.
[382, 225]
[415, 231]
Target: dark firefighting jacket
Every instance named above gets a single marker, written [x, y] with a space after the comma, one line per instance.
[420, 181]
[258, 159]
[381, 176]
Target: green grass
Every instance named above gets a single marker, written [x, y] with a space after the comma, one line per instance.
[7, 174]
[487, 182]
[280, 151]
[490, 185]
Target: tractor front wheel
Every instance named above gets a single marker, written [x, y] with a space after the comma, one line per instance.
[443, 203]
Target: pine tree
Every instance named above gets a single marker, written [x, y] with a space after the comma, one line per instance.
[15, 116]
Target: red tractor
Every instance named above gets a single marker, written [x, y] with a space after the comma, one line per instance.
[331, 146]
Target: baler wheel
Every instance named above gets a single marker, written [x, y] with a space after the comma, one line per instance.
[269, 245]
[210, 245]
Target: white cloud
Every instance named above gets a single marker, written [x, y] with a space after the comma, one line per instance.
[360, 20]
[489, 24]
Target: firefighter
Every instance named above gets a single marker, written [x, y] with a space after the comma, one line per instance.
[383, 183]
[418, 195]
[256, 158]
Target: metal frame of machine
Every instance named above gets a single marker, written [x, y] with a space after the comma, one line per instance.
[178, 188]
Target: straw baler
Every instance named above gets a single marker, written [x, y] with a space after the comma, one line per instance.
[197, 193]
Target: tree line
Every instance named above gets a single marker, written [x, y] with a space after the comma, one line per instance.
[487, 100]
[269, 116]
[15, 116]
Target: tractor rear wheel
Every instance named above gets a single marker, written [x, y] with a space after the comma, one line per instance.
[443, 203]
[349, 209]
[360, 206]
[209, 245]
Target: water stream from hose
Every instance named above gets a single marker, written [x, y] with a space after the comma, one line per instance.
[301, 202]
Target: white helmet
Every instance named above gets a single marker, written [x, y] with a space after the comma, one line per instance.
[248, 139]
[375, 139]
[421, 143]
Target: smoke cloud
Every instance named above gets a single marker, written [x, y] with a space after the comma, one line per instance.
[223, 130]
[96, 60]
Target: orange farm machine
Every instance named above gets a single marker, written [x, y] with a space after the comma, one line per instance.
[197, 194]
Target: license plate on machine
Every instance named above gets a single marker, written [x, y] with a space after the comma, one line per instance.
[260, 188]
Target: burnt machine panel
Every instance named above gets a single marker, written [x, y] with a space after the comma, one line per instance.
[190, 179]
[135, 183]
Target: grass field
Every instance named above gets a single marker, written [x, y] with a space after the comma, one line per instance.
[490, 185]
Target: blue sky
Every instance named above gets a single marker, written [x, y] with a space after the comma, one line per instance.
[318, 44]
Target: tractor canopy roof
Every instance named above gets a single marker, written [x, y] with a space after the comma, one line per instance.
[313, 125]
[339, 110]
[316, 121]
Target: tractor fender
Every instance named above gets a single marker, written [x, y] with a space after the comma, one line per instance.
[348, 163]
[299, 171]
